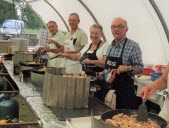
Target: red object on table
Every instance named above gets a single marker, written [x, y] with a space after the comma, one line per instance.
[147, 71]
[158, 68]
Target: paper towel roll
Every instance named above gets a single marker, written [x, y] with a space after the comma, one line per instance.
[19, 44]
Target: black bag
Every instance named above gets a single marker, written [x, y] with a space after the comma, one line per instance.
[104, 88]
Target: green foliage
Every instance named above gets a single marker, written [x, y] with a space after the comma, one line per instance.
[33, 31]
[31, 19]
[7, 11]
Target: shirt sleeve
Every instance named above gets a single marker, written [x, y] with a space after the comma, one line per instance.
[83, 39]
[137, 57]
[108, 50]
[61, 40]
[105, 48]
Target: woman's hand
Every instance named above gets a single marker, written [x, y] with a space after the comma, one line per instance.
[88, 61]
[147, 91]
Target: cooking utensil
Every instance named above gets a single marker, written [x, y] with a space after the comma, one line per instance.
[27, 67]
[53, 57]
[109, 114]
[36, 70]
[164, 125]
[142, 112]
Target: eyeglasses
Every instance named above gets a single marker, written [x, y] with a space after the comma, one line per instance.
[119, 26]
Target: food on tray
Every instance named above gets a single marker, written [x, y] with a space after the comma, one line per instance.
[43, 69]
[124, 121]
[75, 75]
[31, 63]
[28, 52]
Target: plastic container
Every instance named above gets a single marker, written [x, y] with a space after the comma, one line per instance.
[147, 71]
[155, 75]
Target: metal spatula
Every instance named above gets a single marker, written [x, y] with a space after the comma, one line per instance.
[142, 112]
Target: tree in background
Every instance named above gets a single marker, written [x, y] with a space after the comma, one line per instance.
[31, 19]
[14, 10]
[7, 11]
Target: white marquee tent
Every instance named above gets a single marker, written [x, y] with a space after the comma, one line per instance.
[148, 21]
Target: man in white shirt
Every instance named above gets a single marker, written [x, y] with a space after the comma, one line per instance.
[75, 40]
[55, 41]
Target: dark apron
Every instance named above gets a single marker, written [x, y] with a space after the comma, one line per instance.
[123, 83]
[91, 69]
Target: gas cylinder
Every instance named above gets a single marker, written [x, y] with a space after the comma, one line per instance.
[9, 108]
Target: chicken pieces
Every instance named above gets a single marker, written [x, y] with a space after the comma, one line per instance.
[124, 121]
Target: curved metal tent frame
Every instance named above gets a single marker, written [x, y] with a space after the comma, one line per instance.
[148, 21]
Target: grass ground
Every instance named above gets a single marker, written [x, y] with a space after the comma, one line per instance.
[33, 31]
[25, 113]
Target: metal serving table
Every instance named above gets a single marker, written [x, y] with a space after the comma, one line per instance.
[27, 90]
[94, 104]
[51, 117]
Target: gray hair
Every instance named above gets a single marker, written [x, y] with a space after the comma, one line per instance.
[75, 14]
[97, 26]
[122, 20]
[52, 22]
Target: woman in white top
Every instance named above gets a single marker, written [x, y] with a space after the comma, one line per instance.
[159, 84]
[92, 54]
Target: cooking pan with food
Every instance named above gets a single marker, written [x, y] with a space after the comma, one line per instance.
[30, 63]
[155, 118]
[39, 70]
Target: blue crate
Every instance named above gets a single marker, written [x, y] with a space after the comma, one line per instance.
[155, 75]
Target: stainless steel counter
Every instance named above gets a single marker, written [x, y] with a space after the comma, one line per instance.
[46, 117]
[51, 117]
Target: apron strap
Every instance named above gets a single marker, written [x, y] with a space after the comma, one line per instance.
[74, 34]
[97, 46]
[122, 48]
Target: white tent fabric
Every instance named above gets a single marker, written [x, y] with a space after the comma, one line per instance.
[145, 26]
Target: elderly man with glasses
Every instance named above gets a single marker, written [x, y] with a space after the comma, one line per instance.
[124, 60]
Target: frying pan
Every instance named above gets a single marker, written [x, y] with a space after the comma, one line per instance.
[109, 114]
[36, 70]
[22, 63]
[26, 68]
